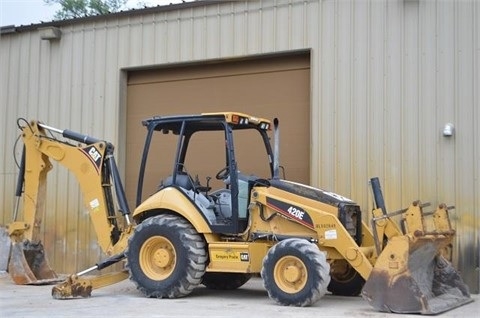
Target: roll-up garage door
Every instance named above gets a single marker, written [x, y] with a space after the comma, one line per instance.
[270, 87]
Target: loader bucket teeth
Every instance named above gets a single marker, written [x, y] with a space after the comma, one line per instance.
[411, 276]
[29, 266]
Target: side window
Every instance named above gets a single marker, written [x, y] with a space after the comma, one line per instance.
[206, 156]
[160, 161]
[251, 154]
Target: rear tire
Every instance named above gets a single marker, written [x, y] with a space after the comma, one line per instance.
[295, 273]
[225, 281]
[166, 257]
[346, 281]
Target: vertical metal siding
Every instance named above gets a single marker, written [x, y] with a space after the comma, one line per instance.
[385, 77]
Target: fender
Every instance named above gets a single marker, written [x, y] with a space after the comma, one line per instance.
[171, 198]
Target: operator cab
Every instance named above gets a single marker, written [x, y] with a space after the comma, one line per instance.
[214, 163]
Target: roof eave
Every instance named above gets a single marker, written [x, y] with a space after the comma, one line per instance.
[10, 29]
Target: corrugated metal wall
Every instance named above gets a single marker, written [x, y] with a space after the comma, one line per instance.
[386, 77]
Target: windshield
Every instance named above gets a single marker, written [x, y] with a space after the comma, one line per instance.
[206, 155]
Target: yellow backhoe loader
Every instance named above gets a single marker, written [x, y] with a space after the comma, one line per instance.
[303, 241]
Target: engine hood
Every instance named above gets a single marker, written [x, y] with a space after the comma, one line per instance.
[311, 192]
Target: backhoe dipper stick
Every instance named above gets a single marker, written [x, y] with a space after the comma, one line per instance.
[20, 181]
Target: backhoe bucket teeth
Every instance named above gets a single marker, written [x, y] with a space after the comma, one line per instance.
[29, 266]
[411, 276]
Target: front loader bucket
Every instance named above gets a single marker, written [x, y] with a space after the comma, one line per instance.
[411, 276]
[28, 265]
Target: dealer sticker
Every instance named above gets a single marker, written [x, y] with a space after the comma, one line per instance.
[94, 204]
[331, 235]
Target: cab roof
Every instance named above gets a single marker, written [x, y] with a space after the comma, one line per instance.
[206, 121]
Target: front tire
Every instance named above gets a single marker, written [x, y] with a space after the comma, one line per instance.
[166, 257]
[295, 273]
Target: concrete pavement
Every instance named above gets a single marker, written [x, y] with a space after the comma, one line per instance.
[123, 300]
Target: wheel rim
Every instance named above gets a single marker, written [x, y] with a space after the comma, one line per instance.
[157, 258]
[290, 274]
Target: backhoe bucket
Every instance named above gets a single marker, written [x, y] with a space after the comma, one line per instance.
[411, 276]
[29, 266]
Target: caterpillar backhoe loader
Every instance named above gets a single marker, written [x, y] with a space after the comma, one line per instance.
[303, 241]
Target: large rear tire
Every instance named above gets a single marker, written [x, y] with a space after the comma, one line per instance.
[346, 281]
[295, 273]
[225, 281]
[166, 257]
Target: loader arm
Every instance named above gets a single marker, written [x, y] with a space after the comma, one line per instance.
[401, 273]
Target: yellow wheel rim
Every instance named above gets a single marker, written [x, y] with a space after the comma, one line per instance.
[157, 258]
[290, 274]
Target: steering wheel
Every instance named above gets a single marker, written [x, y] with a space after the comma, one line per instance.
[223, 173]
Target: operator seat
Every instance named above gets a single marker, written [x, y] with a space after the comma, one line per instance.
[182, 180]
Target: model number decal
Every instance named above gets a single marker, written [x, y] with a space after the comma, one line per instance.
[291, 211]
[296, 212]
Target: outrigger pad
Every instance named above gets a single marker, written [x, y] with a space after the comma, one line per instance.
[72, 287]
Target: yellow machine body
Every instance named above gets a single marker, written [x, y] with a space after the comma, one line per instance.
[302, 240]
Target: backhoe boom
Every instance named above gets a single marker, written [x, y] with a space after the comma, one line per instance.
[94, 167]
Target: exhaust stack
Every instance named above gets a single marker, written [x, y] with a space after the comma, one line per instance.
[276, 149]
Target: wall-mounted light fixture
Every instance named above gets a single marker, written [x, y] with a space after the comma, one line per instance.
[50, 33]
[448, 130]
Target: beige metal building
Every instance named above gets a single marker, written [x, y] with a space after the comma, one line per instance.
[363, 89]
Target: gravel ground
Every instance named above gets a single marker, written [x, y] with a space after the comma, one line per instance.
[123, 300]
